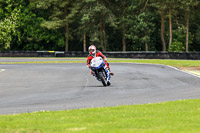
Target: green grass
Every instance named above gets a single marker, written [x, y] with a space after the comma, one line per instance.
[171, 117]
[43, 57]
[175, 63]
[178, 116]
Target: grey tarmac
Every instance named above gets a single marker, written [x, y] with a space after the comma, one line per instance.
[36, 87]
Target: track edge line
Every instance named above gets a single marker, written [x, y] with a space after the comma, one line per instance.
[197, 76]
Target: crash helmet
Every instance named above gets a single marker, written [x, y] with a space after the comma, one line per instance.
[92, 50]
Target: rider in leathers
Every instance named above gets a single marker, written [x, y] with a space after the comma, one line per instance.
[96, 53]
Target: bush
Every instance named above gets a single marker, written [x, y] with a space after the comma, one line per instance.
[177, 47]
[178, 44]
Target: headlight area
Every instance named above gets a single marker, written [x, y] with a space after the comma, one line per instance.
[102, 64]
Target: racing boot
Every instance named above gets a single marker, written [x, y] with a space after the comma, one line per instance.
[92, 73]
[111, 73]
[108, 67]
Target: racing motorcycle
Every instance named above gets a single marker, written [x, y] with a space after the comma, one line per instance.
[100, 70]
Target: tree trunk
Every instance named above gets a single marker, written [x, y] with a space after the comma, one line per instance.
[105, 38]
[170, 27]
[66, 37]
[187, 31]
[163, 31]
[66, 33]
[146, 47]
[124, 42]
[84, 42]
[101, 36]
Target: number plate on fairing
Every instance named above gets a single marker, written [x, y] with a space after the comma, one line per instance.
[96, 62]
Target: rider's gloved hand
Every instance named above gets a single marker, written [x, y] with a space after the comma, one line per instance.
[89, 66]
[105, 59]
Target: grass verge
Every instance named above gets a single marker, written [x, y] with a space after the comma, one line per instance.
[181, 64]
[178, 116]
[185, 65]
[175, 63]
[196, 72]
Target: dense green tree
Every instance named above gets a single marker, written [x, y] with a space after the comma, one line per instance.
[61, 15]
[187, 6]
[111, 25]
[140, 24]
[9, 23]
[35, 37]
[142, 29]
[161, 7]
[94, 19]
[171, 6]
[21, 30]
[195, 29]
[120, 11]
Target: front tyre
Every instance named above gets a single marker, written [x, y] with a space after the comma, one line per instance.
[108, 84]
[103, 80]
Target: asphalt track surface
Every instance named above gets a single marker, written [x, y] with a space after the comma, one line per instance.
[35, 87]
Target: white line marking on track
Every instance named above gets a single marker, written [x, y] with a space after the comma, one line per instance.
[184, 71]
[169, 67]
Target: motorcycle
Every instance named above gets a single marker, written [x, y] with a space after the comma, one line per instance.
[100, 70]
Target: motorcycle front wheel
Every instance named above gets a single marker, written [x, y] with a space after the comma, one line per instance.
[103, 80]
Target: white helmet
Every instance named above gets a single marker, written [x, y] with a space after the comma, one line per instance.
[92, 50]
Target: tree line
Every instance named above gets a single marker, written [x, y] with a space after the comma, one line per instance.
[111, 25]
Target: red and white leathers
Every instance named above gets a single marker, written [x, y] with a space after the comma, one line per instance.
[95, 53]
[98, 54]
